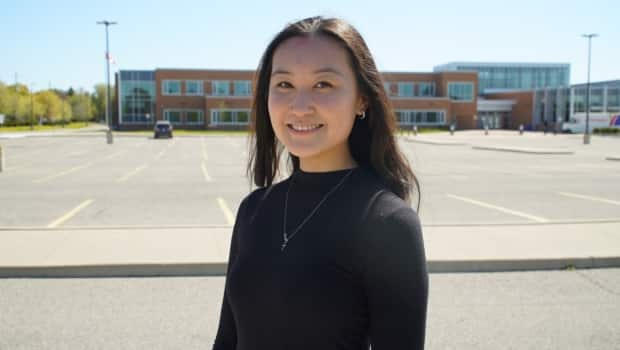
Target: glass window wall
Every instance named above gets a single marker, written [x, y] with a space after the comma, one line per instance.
[461, 91]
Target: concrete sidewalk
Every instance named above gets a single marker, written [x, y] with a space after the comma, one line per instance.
[190, 251]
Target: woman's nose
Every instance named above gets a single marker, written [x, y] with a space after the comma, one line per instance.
[302, 103]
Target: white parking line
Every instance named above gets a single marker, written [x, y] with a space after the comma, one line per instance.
[205, 156]
[70, 214]
[131, 173]
[160, 154]
[78, 153]
[205, 173]
[72, 170]
[114, 155]
[502, 209]
[232, 142]
[163, 151]
[596, 199]
[227, 213]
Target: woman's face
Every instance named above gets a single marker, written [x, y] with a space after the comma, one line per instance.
[313, 101]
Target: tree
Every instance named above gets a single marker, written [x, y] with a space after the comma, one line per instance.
[81, 106]
[4, 99]
[99, 98]
[51, 106]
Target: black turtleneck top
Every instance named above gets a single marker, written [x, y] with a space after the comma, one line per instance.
[353, 276]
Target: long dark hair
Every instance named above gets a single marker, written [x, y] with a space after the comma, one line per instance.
[372, 140]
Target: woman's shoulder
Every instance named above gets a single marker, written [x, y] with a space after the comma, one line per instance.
[257, 197]
[382, 203]
[386, 204]
[380, 200]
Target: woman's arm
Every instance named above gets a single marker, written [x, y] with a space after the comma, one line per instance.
[226, 338]
[396, 281]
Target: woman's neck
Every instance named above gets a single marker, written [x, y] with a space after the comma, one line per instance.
[317, 165]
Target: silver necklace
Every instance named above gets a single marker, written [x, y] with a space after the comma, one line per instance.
[286, 236]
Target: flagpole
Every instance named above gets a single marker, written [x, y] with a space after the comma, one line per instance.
[107, 76]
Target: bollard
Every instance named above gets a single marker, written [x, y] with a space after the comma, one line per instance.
[486, 129]
[521, 129]
[452, 129]
[415, 130]
[109, 137]
[1, 159]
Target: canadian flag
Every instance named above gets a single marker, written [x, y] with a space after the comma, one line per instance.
[110, 58]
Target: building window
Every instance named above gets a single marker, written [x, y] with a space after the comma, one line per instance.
[230, 116]
[596, 100]
[420, 117]
[405, 89]
[613, 100]
[426, 89]
[386, 86]
[221, 88]
[580, 100]
[137, 103]
[243, 88]
[172, 115]
[193, 87]
[402, 117]
[194, 116]
[461, 91]
[171, 87]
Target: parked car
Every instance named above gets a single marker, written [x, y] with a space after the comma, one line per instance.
[162, 128]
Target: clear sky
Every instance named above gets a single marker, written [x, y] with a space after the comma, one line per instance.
[59, 44]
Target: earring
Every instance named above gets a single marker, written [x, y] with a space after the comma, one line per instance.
[362, 116]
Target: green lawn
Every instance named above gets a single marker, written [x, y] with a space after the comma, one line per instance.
[37, 127]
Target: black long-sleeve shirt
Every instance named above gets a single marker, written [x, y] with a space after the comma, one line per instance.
[354, 275]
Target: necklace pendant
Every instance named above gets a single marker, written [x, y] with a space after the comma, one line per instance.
[285, 242]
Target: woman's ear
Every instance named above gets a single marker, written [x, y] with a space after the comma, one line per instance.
[362, 104]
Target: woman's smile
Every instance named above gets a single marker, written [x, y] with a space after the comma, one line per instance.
[304, 129]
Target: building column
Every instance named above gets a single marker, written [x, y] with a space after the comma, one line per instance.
[571, 104]
[605, 98]
[558, 105]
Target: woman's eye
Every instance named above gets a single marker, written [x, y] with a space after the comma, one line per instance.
[323, 84]
[283, 84]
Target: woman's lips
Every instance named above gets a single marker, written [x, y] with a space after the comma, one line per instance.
[304, 130]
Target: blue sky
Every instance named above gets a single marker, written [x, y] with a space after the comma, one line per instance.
[58, 44]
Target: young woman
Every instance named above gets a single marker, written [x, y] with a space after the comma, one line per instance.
[332, 257]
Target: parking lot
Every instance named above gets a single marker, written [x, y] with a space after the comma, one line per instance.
[81, 181]
[139, 182]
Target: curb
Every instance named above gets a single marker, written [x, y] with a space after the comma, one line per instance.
[523, 150]
[613, 158]
[220, 268]
[122, 270]
[435, 142]
[461, 266]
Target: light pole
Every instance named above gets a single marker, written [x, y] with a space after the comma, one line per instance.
[586, 135]
[107, 78]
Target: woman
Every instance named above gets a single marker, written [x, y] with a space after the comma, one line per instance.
[332, 257]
